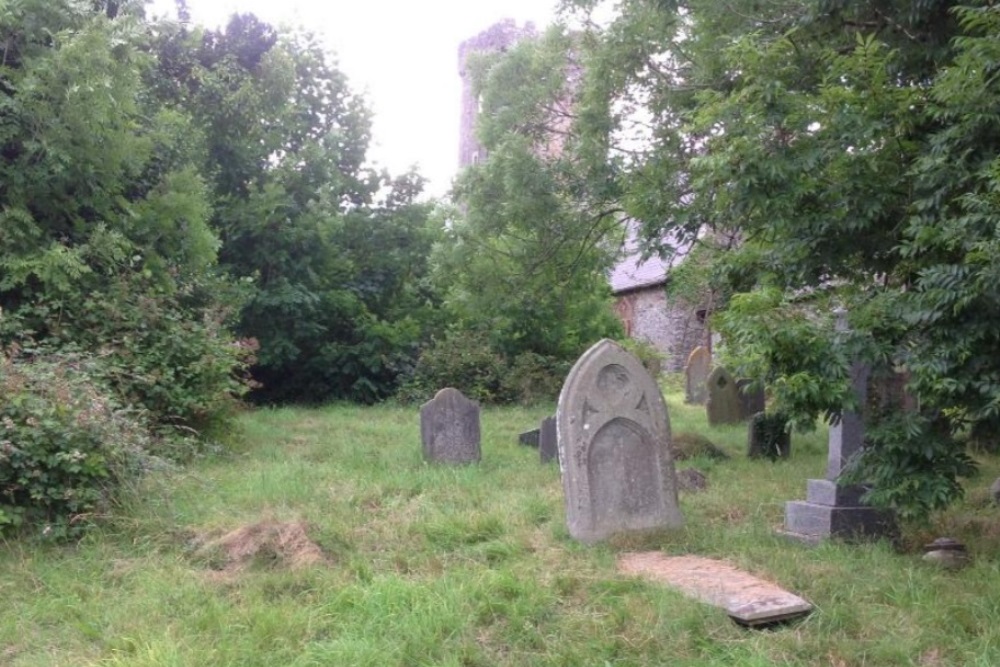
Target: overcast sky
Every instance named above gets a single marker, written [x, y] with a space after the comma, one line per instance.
[403, 54]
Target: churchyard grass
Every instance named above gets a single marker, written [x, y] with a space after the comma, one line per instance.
[473, 566]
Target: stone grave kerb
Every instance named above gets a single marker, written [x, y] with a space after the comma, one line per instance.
[613, 438]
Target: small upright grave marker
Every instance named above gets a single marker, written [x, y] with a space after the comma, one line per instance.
[699, 363]
[449, 428]
[614, 447]
[548, 443]
[724, 405]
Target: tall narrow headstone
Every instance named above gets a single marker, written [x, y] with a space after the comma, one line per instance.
[696, 371]
[548, 442]
[614, 447]
[724, 405]
[832, 509]
[449, 428]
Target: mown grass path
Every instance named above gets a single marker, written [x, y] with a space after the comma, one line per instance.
[473, 566]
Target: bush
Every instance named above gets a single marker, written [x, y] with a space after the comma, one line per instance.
[534, 378]
[65, 446]
[467, 361]
[646, 353]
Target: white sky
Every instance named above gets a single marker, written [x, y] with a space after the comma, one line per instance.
[403, 54]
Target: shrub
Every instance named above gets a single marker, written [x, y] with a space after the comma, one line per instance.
[534, 378]
[646, 353]
[467, 361]
[463, 360]
[64, 444]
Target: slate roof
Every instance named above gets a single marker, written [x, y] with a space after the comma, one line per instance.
[632, 272]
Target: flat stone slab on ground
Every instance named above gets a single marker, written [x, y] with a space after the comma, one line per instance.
[749, 600]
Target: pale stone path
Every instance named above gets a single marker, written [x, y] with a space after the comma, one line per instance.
[749, 600]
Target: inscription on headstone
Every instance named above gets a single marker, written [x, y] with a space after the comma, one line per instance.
[614, 447]
[449, 428]
[724, 406]
[696, 371]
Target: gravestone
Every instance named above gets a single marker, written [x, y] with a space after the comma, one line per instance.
[768, 437]
[751, 398]
[749, 600]
[832, 509]
[696, 371]
[724, 405]
[613, 434]
[529, 438]
[548, 443]
[449, 428]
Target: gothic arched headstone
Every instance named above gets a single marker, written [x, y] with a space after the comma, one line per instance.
[614, 447]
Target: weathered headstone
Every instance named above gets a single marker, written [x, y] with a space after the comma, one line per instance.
[548, 443]
[768, 437]
[723, 406]
[449, 428]
[696, 371]
[832, 509]
[995, 491]
[751, 398]
[614, 447]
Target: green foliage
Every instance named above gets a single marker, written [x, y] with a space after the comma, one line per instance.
[844, 156]
[339, 303]
[65, 444]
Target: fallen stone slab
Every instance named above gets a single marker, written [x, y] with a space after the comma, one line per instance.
[747, 599]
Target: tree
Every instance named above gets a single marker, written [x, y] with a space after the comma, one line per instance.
[105, 243]
[298, 209]
[850, 149]
[527, 264]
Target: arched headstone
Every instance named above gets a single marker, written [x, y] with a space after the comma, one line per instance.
[614, 447]
[724, 405]
[449, 428]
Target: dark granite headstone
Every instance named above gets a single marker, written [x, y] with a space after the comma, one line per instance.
[529, 438]
[831, 509]
[548, 443]
[768, 437]
[449, 428]
[724, 406]
[696, 371]
[614, 447]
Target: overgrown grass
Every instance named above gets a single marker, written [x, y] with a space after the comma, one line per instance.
[473, 566]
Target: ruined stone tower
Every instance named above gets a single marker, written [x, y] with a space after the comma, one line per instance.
[497, 38]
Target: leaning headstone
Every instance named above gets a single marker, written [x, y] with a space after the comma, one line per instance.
[696, 371]
[529, 438]
[832, 509]
[449, 428]
[995, 491]
[723, 406]
[751, 398]
[768, 437]
[614, 447]
[548, 443]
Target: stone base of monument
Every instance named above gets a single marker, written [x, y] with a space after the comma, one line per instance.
[748, 600]
[832, 511]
